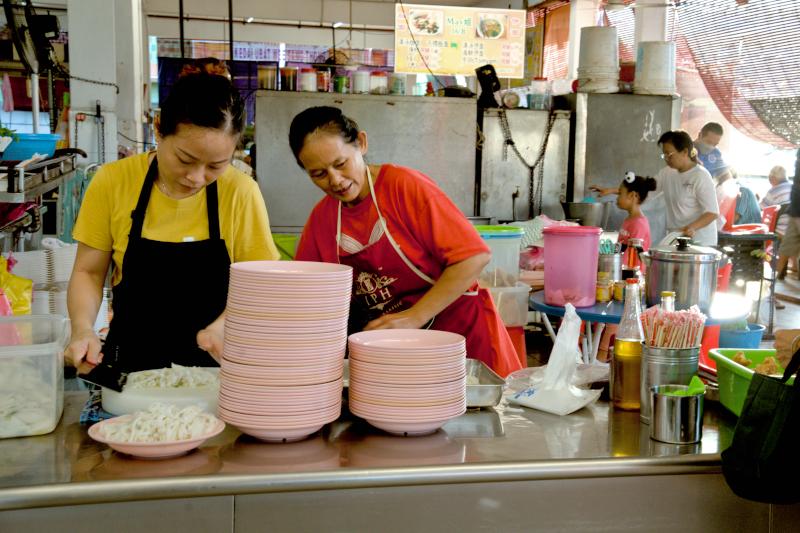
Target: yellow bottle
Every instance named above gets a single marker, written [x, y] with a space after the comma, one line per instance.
[627, 360]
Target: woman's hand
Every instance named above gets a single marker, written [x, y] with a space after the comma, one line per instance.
[604, 191]
[407, 319]
[83, 351]
[212, 337]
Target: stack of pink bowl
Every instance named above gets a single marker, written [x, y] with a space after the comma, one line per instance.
[407, 381]
[285, 339]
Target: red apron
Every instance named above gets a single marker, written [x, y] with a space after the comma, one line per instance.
[385, 281]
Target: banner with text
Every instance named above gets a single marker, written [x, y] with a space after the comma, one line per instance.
[457, 40]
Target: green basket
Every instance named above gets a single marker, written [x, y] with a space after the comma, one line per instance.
[733, 378]
[286, 244]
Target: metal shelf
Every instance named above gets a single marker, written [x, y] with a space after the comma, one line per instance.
[37, 190]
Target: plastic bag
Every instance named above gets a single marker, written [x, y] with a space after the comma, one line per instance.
[585, 375]
[556, 394]
[18, 290]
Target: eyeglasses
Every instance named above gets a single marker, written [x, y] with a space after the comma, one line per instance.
[667, 156]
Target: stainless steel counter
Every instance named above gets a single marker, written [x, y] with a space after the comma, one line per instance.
[487, 447]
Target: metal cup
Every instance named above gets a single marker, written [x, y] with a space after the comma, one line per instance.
[665, 366]
[611, 263]
[676, 419]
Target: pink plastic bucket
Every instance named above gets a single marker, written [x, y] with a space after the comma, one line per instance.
[570, 265]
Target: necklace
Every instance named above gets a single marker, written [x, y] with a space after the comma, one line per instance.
[163, 188]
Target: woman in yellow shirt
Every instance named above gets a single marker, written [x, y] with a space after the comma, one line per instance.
[169, 222]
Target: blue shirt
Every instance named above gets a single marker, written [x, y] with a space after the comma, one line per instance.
[712, 161]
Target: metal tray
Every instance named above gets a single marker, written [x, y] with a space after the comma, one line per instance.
[476, 423]
[489, 390]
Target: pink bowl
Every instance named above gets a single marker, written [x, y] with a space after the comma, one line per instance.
[300, 391]
[407, 429]
[151, 450]
[407, 339]
[383, 401]
[278, 407]
[408, 413]
[284, 349]
[238, 369]
[281, 381]
[409, 391]
[280, 434]
[298, 269]
[389, 379]
[358, 366]
[271, 359]
[406, 360]
[329, 414]
[305, 338]
[230, 399]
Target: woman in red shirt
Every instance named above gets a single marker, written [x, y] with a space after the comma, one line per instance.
[416, 258]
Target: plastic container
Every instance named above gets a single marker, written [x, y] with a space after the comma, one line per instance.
[289, 79]
[539, 97]
[512, 303]
[323, 81]
[379, 83]
[734, 379]
[750, 338]
[655, 68]
[308, 80]
[503, 268]
[361, 81]
[598, 63]
[398, 84]
[268, 77]
[27, 144]
[341, 84]
[570, 265]
[286, 243]
[32, 373]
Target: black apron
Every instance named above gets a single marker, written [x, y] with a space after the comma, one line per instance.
[169, 291]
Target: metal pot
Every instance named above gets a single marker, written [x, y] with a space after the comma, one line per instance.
[589, 213]
[690, 271]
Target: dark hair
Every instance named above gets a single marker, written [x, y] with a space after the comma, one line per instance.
[681, 141]
[322, 118]
[711, 127]
[205, 100]
[641, 185]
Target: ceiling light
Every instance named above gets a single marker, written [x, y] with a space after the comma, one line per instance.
[338, 24]
[248, 20]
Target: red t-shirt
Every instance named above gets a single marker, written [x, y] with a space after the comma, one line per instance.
[429, 228]
[635, 228]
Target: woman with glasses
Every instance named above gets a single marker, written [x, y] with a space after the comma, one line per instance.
[689, 196]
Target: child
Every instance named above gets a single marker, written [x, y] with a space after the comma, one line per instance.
[632, 193]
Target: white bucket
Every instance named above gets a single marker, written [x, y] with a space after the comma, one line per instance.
[599, 50]
[655, 68]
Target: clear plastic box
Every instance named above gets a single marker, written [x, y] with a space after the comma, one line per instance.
[512, 303]
[31, 373]
[503, 268]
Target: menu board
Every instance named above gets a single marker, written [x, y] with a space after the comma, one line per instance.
[457, 40]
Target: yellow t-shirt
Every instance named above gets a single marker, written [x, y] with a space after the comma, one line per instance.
[104, 220]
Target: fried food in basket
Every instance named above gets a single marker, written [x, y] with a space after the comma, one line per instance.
[741, 359]
[768, 367]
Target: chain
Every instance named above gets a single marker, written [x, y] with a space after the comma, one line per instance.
[535, 179]
[101, 135]
[95, 82]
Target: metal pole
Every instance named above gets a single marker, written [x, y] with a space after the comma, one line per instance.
[180, 23]
[51, 104]
[35, 101]
[230, 28]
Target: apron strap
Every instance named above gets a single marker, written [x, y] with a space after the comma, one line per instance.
[137, 216]
[382, 221]
[138, 213]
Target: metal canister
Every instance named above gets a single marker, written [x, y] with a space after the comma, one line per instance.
[340, 84]
[611, 263]
[665, 366]
[676, 419]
